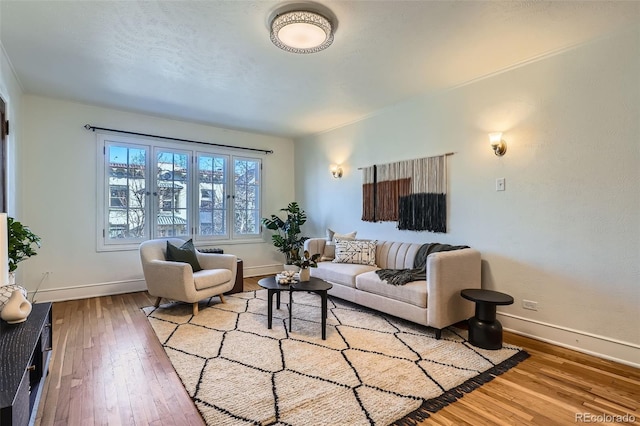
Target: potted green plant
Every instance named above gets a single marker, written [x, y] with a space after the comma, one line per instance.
[21, 242]
[287, 238]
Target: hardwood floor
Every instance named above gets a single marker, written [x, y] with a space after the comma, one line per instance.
[108, 368]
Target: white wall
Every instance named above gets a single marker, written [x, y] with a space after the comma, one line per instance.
[565, 233]
[11, 92]
[58, 183]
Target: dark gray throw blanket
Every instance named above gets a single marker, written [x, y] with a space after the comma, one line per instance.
[419, 271]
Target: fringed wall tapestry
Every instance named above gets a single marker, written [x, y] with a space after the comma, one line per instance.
[411, 192]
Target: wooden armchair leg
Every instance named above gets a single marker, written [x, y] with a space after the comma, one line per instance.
[222, 298]
[195, 309]
[158, 302]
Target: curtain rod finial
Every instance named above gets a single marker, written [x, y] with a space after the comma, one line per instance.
[88, 127]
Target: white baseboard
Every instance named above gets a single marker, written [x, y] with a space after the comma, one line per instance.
[599, 346]
[89, 290]
[254, 271]
[85, 291]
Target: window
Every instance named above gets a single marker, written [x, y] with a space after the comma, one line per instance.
[151, 189]
[246, 196]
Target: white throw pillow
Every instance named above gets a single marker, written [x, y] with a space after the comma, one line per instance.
[356, 251]
[332, 236]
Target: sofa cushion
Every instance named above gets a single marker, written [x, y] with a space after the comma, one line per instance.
[211, 278]
[414, 292]
[356, 251]
[340, 273]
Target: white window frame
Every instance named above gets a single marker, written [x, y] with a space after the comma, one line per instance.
[193, 150]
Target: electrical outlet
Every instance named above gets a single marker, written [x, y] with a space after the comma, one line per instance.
[530, 304]
[500, 184]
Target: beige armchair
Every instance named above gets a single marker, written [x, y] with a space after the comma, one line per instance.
[177, 281]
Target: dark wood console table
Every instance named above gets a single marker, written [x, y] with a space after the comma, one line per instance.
[25, 350]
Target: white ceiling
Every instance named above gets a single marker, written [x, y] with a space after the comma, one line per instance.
[212, 61]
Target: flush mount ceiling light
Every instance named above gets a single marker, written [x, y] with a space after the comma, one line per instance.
[301, 31]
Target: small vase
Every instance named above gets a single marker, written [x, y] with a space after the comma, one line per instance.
[305, 274]
[17, 308]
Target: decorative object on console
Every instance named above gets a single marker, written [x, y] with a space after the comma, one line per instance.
[411, 192]
[17, 308]
[499, 146]
[7, 290]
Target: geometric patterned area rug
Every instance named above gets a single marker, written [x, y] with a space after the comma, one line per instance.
[373, 369]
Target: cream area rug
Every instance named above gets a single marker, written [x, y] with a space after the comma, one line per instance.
[372, 369]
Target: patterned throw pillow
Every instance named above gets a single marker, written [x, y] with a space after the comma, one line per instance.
[356, 251]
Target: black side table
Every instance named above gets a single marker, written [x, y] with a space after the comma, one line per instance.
[485, 331]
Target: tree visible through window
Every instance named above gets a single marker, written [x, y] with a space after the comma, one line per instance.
[167, 190]
[246, 196]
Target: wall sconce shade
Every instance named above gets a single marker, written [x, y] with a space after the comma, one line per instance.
[336, 172]
[499, 146]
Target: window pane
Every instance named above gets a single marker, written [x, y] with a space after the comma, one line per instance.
[171, 195]
[126, 185]
[247, 196]
[212, 194]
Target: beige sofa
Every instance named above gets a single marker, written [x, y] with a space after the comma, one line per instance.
[435, 302]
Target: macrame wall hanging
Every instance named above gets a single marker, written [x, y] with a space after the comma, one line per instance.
[411, 192]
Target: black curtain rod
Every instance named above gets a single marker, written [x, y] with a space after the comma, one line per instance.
[94, 128]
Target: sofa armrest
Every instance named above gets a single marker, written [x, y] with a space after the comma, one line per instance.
[447, 273]
[217, 261]
[165, 278]
[315, 245]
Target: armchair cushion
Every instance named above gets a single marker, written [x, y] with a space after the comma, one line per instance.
[211, 277]
[185, 253]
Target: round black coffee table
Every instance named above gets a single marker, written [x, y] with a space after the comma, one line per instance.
[485, 331]
[314, 285]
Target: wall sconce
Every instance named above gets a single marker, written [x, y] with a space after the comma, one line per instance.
[336, 172]
[499, 146]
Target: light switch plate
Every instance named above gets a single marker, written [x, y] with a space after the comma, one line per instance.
[500, 184]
